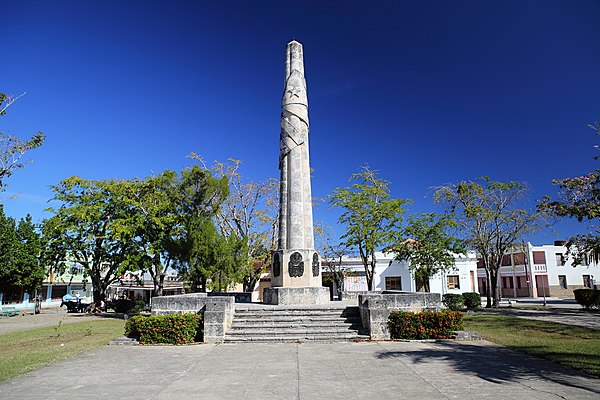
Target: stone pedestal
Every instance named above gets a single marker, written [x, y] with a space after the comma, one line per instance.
[296, 295]
[296, 268]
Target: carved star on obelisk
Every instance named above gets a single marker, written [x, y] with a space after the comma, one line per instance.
[294, 91]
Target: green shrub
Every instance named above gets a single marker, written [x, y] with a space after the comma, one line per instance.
[124, 306]
[165, 329]
[472, 300]
[453, 301]
[424, 325]
[588, 298]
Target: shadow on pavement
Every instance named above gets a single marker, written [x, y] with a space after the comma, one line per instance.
[495, 364]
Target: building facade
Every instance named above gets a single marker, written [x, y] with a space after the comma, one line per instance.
[391, 274]
[537, 271]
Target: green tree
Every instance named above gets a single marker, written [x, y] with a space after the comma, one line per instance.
[156, 222]
[579, 198]
[20, 269]
[12, 148]
[249, 213]
[215, 261]
[93, 227]
[371, 217]
[198, 248]
[429, 248]
[490, 219]
[9, 246]
[332, 254]
[30, 273]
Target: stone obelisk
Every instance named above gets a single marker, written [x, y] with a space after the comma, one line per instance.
[295, 273]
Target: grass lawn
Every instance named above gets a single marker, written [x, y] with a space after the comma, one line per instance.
[25, 351]
[574, 346]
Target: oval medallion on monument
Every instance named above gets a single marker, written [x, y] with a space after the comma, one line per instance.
[276, 265]
[315, 265]
[296, 265]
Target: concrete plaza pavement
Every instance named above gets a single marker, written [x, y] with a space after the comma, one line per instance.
[361, 370]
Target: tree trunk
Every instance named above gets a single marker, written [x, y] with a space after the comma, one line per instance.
[494, 284]
[161, 282]
[488, 289]
[250, 283]
[97, 289]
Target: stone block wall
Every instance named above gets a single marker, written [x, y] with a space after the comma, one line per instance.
[240, 297]
[296, 295]
[218, 311]
[375, 309]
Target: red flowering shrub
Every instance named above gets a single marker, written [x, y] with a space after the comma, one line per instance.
[165, 329]
[424, 325]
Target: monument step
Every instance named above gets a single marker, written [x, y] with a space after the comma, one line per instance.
[296, 338]
[289, 329]
[295, 323]
[296, 312]
[311, 324]
[294, 318]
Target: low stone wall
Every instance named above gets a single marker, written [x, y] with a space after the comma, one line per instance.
[240, 297]
[218, 311]
[354, 295]
[375, 309]
[296, 295]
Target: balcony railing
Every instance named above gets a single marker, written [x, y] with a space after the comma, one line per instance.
[539, 268]
[508, 270]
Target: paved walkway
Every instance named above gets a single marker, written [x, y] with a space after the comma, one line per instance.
[368, 370]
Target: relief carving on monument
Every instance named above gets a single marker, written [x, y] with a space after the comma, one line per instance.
[296, 265]
[276, 265]
[315, 265]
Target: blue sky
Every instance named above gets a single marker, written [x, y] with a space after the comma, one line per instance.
[426, 92]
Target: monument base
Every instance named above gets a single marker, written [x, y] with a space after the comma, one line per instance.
[296, 295]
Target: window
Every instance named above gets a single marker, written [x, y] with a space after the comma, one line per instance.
[587, 281]
[506, 260]
[507, 282]
[519, 259]
[560, 259]
[562, 281]
[393, 283]
[539, 257]
[452, 282]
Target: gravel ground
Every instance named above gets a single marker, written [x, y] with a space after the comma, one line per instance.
[47, 317]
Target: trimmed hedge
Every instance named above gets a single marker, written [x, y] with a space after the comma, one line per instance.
[424, 325]
[453, 301]
[165, 329]
[472, 300]
[588, 298]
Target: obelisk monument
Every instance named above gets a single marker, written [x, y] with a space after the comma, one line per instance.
[295, 272]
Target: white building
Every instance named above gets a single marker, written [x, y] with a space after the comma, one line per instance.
[541, 270]
[391, 274]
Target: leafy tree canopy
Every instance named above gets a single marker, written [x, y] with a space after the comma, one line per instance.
[429, 247]
[579, 198]
[12, 148]
[371, 217]
[491, 218]
[20, 248]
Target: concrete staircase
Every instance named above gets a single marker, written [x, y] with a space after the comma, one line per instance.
[323, 323]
